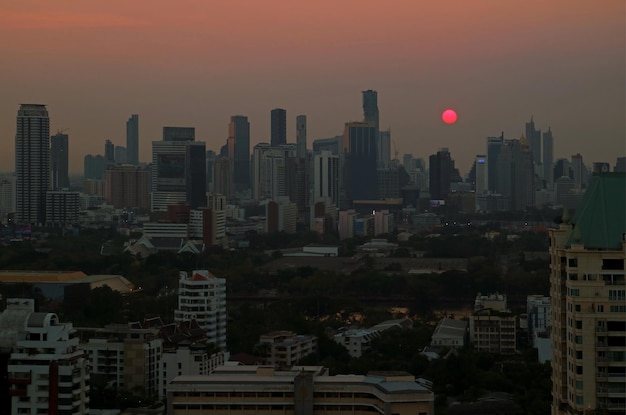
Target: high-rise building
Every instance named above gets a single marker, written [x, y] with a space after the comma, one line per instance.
[132, 140]
[222, 183]
[62, 207]
[93, 167]
[534, 141]
[269, 176]
[514, 174]
[32, 163]
[360, 147]
[494, 146]
[59, 151]
[120, 155]
[384, 149]
[48, 372]
[128, 186]
[547, 158]
[579, 171]
[492, 325]
[301, 136]
[587, 280]
[202, 297]
[7, 197]
[326, 178]
[441, 166]
[279, 127]
[620, 165]
[178, 169]
[109, 153]
[482, 186]
[239, 151]
[370, 108]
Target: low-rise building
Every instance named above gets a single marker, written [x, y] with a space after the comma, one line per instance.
[357, 341]
[449, 333]
[285, 348]
[493, 326]
[300, 390]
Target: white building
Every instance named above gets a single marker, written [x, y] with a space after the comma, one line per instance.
[357, 341]
[202, 297]
[346, 223]
[449, 333]
[189, 360]
[125, 357]
[285, 348]
[383, 222]
[47, 371]
[326, 178]
[492, 325]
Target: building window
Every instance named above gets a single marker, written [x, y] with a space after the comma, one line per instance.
[579, 339]
[617, 295]
[579, 324]
[572, 262]
[579, 384]
[574, 292]
[577, 307]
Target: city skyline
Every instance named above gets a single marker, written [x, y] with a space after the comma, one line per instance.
[496, 64]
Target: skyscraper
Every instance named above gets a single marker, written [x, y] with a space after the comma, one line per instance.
[547, 154]
[588, 300]
[384, 149]
[32, 163]
[239, 151]
[494, 146]
[132, 140]
[279, 127]
[370, 107]
[534, 140]
[59, 150]
[482, 186]
[109, 153]
[441, 166]
[360, 146]
[301, 136]
[178, 169]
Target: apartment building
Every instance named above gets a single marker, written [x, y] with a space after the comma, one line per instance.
[492, 325]
[285, 348]
[588, 291]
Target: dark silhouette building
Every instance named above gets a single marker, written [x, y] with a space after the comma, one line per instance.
[59, 149]
[132, 140]
[360, 161]
[239, 151]
[279, 127]
[441, 168]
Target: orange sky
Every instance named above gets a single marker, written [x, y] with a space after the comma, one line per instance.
[195, 63]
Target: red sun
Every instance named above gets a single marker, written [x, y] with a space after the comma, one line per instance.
[449, 116]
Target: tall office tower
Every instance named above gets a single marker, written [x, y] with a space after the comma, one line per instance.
[94, 167]
[494, 146]
[48, 372]
[178, 169]
[210, 169]
[301, 136]
[620, 165]
[222, 183]
[334, 145]
[384, 149]
[109, 153]
[132, 140]
[59, 150]
[534, 140]
[562, 168]
[269, 175]
[202, 297]
[120, 155]
[441, 166]
[128, 186]
[179, 133]
[370, 108]
[32, 163]
[515, 174]
[326, 178]
[7, 197]
[587, 279]
[579, 171]
[279, 127]
[239, 151]
[547, 158]
[195, 174]
[408, 163]
[482, 186]
[360, 149]
[297, 186]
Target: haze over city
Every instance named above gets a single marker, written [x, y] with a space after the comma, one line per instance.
[496, 63]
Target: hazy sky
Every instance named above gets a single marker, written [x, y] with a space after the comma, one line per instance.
[196, 63]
